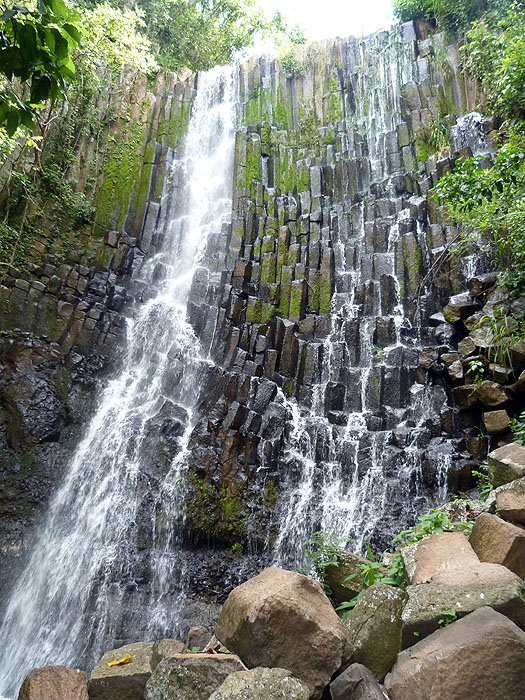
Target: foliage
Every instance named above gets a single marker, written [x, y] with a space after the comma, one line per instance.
[452, 15]
[483, 483]
[448, 616]
[517, 425]
[477, 369]
[492, 200]
[323, 550]
[112, 35]
[35, 55]
[435, 521]
[494, 53]
[504, 330]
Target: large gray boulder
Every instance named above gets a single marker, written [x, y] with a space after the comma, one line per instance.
[262, 684]
[277, 619]
[54, 682]
[126, 681]
[506, 464]
[480, 656]
[191, 676]
[374, 628]
[357, 683]
[499, 542]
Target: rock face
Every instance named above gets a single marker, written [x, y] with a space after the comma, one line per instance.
[190, 676]
[261, 684]
[168, 648]
[338, 579]
[506, 464]
[480, 656]
[54, 682]
[499, 542]
[126, 681]
[374, 628]
[276, 619]
[356, 683]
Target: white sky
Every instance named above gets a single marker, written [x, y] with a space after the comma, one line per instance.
[326, 19]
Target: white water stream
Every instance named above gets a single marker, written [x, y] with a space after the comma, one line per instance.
[66, 604]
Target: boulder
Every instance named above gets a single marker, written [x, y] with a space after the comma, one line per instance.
[191, 676]
[495, 421]
[52, 682]
[480, 656]
[337, 576]
[215, 645]
[198, 637]
[356, 683]
[506, 464]
[492, 394]
[462, 590]
[459, 307]
[499, 542]
[374, 628]
[125, 681]
[277, 618]
[510, 502]
[465, 396]
[441, 553]
[262, 684]
[168, 648]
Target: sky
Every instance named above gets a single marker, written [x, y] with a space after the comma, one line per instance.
[326, 19]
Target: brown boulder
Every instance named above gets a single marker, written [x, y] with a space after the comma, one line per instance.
[465, 396]
[492, 394]
[442, 553]
[277, 619]
[52, 682]
[506, 464]
[480, 656]
[125, 681]
[510, 502]
[495, 421]
[356, 683]
[198, 637]
[499, 542]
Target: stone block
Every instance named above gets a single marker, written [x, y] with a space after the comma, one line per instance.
[499, 542]
[169, 647]
[126, 681]
[507, 463]
[480, 656]
[262, 684]
[495, 421]
[374, 628]
[190, 676]
[356, 683]
[510, 502]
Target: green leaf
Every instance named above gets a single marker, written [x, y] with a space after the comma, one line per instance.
[12, 122]
[40, 88]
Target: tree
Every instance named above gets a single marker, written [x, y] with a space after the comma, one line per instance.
[35, 60]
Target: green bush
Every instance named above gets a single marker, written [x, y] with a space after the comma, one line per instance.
[492, 201]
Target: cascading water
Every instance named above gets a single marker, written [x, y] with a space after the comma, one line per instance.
[66, 606]
[343, 451]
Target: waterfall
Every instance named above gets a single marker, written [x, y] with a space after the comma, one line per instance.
[67, 604]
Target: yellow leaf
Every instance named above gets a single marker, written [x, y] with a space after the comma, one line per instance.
[124, 660]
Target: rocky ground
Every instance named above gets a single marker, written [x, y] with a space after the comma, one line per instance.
[454, 631]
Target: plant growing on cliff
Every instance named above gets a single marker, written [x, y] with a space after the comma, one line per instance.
[323, 549]
[482, 479]
[433, 522]
[517, 425]
[492, 201]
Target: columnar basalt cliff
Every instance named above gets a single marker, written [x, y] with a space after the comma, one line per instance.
[309, 410]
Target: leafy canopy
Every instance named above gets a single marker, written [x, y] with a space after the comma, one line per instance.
[35, 50]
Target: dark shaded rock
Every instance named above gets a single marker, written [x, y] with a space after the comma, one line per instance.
[496, 421]
[341, 578]
[198, 637]
[374, 628]
[492, 394]
[356, 683]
